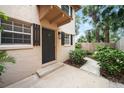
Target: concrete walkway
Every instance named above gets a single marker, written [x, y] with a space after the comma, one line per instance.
[65, 77]
[91, 66]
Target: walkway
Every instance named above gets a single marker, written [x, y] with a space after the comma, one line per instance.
[92, 67]
[65, 77]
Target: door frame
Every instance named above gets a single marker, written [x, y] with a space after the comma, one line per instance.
[53, 61]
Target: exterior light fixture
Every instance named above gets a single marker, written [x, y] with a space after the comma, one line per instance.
[59, 35]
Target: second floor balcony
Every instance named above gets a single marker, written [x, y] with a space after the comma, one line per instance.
[55, 14]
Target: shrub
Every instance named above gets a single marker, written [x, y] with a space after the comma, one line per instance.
[4, 58]
[78, 45]
[77, 55]
[110, 60]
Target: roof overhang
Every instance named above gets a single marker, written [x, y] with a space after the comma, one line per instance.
[76, 7]
[53, 14]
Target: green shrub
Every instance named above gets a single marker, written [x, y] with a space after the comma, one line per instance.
[77, 55]
[111, 60]
[4, 58]
[78, 45]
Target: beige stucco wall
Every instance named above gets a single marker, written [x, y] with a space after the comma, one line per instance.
[30, 60]
[28, 13]
[68, 28]
[27, 60]
[62, 52]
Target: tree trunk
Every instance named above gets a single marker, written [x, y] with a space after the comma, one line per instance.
[107, 35]
[97, 36]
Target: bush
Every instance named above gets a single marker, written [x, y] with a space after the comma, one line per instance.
[78, 45]
[4, 58]
[77, 56]
[110, 60]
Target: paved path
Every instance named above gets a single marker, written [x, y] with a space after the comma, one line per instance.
[65, 77]
[91, 66]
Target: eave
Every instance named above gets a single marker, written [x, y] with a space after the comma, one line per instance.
[53, 14]
[76, 7]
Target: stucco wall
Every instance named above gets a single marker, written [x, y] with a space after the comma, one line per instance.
[64, 50]
[27, 60]
[28, 13]
[69, 27]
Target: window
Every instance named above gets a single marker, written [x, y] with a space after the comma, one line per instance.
[67, 9]
[67, 39]
[15, 32]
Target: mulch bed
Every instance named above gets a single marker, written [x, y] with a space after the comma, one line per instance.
[69, 62]
[115, 78]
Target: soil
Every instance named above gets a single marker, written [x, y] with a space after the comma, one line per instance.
[115, 78]
[69, 62]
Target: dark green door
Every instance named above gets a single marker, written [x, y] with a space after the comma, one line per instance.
[48, 45]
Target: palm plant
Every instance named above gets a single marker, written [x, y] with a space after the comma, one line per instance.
[4, 58]
[3, 17]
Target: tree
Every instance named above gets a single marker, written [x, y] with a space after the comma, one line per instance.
[77, 24]
[82, 39]
[89, 36]
[92, 11]
[106, 18]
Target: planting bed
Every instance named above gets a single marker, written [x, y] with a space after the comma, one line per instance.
[69, 62]
[115, 78]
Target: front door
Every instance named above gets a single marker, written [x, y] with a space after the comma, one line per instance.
[48, 45]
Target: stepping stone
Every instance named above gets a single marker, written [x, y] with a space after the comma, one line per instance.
[48, 69]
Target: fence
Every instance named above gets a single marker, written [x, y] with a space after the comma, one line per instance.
[120, 44]
[92, 46]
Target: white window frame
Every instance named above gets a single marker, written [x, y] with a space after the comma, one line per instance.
[16, 46]
[69, 43]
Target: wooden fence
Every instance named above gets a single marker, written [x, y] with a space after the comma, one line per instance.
[92, 46]
[120, 44]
